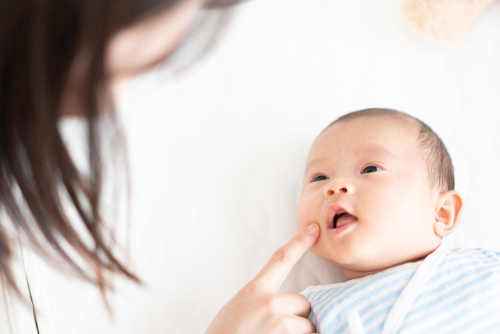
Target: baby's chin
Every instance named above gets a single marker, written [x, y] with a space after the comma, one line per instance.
[352, 259]
[362, 270]
[356, 263]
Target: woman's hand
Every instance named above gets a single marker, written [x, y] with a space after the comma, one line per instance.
[259, 308]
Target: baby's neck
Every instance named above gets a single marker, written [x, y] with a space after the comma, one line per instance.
[351, 274]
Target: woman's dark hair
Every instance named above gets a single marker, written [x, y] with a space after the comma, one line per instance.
[39, 42]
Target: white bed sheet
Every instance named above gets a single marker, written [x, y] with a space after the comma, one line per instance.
[217, 153]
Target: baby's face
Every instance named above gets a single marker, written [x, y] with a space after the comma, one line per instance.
[371, 169]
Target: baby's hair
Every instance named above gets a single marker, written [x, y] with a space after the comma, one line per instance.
[434, 152]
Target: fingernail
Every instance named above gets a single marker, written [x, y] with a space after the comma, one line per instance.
[312, 229]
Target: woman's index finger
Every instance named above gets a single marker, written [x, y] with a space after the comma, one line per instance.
[281, 263]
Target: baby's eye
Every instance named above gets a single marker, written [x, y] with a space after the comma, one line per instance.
[320, 178]
[371, 169]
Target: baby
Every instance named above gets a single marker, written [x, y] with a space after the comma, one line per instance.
[380, 185]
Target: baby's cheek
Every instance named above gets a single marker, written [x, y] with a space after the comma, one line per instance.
[323, 249]
[300, 220]
[317, 249]
[305, 217]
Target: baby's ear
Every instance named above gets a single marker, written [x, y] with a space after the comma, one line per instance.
[448, 209]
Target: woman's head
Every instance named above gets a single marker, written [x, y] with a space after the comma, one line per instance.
[58, 58]
[136, 48]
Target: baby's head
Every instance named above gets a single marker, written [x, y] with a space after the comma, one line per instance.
[380, 185]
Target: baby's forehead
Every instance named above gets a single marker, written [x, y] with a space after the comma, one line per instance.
[385, 134]
[388, 122]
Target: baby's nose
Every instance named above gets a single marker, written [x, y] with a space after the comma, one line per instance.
[330, 192]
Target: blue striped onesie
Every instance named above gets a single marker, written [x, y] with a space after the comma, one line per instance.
[451, 291]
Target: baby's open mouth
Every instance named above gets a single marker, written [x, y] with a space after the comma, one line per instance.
[343, 218]
[337, 217]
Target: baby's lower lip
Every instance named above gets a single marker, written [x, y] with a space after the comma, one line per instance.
[344, 228]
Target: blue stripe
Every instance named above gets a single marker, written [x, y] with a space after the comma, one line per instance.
[475, 250]
[310, 295]
[451, 293]
[341, 314]
[387, 297]
[369, 307]
[462, 257]
[446, 284]
[359, 288]
[377, 329]
[448, 271]
[373, 318]
[479, 318]
[323, 301]
[314, 294]
[451, 259]
[467, 254]
[331, 296]
[450, 305]
[328, 300]
[321, 293]
[341, 328]
[319, 296]
[378, 314]
[493, 327]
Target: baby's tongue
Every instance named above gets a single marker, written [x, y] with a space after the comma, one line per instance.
[345, 219]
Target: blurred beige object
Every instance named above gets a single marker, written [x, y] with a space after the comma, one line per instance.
[445, 22]
[5, 327]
